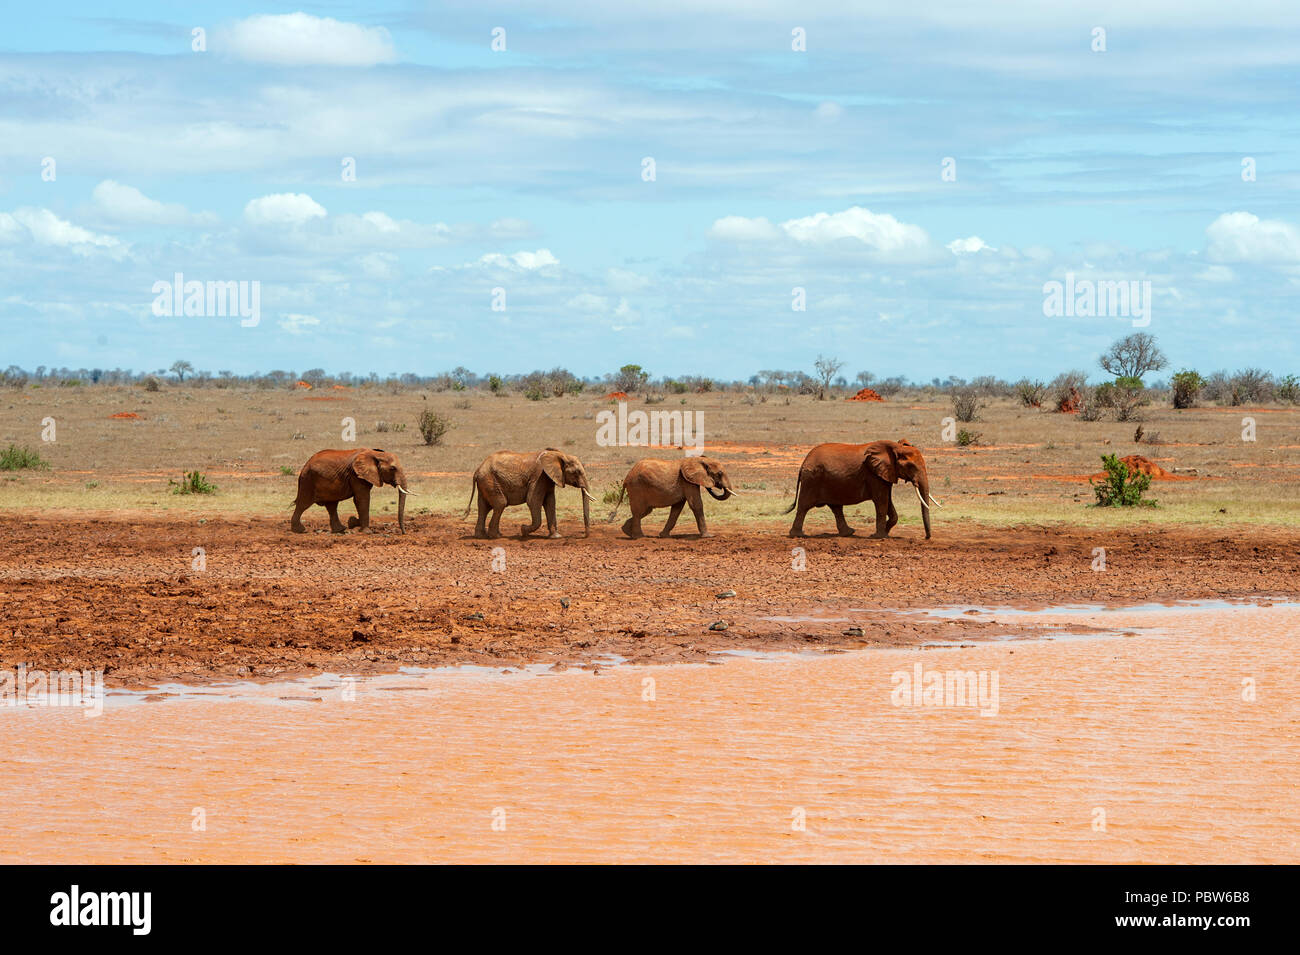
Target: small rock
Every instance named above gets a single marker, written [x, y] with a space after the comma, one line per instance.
[720, 625]
[359, 637]
[853, 632]
[475, 616]
[725, 594]
[564, 602]
[363, 617]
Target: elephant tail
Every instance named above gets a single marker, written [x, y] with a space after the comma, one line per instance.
[472, 488]
[797, 482]
[622, 493]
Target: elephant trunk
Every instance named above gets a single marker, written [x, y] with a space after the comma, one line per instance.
[586, 513]
[923, 492]
[726, 493]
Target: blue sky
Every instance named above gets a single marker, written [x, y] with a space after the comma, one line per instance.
[774, 169]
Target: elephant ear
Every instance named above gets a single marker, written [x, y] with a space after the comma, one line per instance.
[693, 471]
[366, 466]
[883, 460]
[550, 465]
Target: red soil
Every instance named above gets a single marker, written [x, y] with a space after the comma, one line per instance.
[125, 414]
[1070, 404]
[304, 385]
[616, 396]
[120, 592]
[1137, 464]
[866, 394]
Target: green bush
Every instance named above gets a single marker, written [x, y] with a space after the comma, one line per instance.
[286, 470]
[1119, 488]
[966, 438]
[193, 483]
[433, 427]
[14, 458]
[1187, 387]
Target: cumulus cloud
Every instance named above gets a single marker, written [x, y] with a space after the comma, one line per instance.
[881, 233]
[968, 245]
[45, 228]
[300, 39]
[283, 208]
[521, 261]
[127, 205]
[1242, 237]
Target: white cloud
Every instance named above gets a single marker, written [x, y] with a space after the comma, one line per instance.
[527, 261]
[283, 208]
[587, 302]
[1242, 237]
[296, 324]
[380, 265]
[45, 228]
[741, 229]
[881, 231]
[970, 244]
[300, 39]
[127, 205]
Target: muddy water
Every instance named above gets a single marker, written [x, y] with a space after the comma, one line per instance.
[1149, 729]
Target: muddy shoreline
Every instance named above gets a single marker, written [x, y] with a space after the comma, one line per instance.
[127, 595]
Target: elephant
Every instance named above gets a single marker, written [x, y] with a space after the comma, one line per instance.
[655, 483]
[833, 475]
[332, 476]
[506, 478]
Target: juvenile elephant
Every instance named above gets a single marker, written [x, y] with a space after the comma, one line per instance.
[332, 476]
[833, 475]
[507, 478]
[652, 483]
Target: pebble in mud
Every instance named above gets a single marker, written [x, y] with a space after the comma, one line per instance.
[725, 594]
[720, 625]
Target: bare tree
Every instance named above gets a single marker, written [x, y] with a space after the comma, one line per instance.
[826, 369]
[1133, 356]
[181, 369]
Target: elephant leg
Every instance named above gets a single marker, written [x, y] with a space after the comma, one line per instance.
[801, 511]
[697, 508]
[361, 500]
[295, 523]
[552, 526]
[892, 516]
[673, 513]
[882, 517]
[632, 526]
[480, 527]
[841, 525]
[336, 526]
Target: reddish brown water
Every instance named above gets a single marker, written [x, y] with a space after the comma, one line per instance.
[1151, 729]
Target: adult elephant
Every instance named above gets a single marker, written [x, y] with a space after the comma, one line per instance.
[673, 484]
[332, 476]
[835, 475]
[507, 478]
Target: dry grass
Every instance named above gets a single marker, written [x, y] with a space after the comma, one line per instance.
[1027, 467]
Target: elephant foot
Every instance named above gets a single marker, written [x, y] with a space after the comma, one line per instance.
[298, 529]
[555, 536]
[798, 533]
[338, 530]
[354, 522]
[665, 533]
[525, 530]
[706, 533]
[878, 536]
[847, 531]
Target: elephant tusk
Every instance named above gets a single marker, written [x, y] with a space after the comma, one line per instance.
[935, 501]
[919, 497]
[405, 491]
[734, 492]
[589, 497]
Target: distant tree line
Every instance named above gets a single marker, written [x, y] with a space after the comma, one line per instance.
[1121, 392]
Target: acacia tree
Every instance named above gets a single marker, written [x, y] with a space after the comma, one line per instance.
[180, 369]
[1133, 356]
[826, 369]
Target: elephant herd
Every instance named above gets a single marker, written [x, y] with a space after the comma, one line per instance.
[832, 475]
